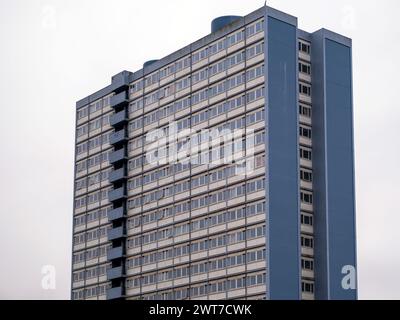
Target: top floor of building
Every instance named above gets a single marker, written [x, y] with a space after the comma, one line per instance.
[228, 35]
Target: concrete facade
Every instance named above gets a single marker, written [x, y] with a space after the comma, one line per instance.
[190, 229]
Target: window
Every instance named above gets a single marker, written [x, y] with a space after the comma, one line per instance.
[305, 110]
[235, 38]
[259, 161]
[255, 50]
[217, 68]
[254, 72]
[305, 132]
[199, 96]
[200, 75]
[135, 105]
[305, 68]
[199, 55]
[254, 28]
[135, 87]
[218, 46]
[151, 79]
[306, 197]
[166, 71]
[182, 84]
[91, 216]
[307, 264]
[307, 287]
[182, 64]
[304, 47]
[254, 95]
[305, 153]
[234, 59]
[82, 130]
[82, 113]
[307, 241]
[80, 184]
[306, 219]
[305, 89]
[95, 106]
[306, 175]
[199, 117]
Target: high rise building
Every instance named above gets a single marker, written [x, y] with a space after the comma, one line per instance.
[221, 171]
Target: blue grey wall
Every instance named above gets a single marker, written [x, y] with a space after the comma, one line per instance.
[333, 161]
[283, 230]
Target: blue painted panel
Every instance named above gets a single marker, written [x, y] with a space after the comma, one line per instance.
[340, 166]
[115, 273]
[115, 293]
[118, 119]
[118, 137]
[117, 156]
[115, 253]
[319, 172]
[283, 189]
[117, 213]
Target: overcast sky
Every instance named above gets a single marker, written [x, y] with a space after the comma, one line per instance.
[53, 53]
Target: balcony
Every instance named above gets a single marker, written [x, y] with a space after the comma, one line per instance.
[114, 293]
[119, 99]
[117, 194]
[114, 273]
[118, 118]
[118, 137]
[117, 156]
[115, 233]
[117, 175]
[120, 81]
[115, 253]
[116, 214]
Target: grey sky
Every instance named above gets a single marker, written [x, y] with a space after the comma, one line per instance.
[53, 53]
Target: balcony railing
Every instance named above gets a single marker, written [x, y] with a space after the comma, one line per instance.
[117, 156]
[119, 99]
[117, 194]
[114, 273]
[118, 118]
[117, 175]
[115, 233]
[116, 214]
[118, 137]
[114, 293]
[115, 253]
